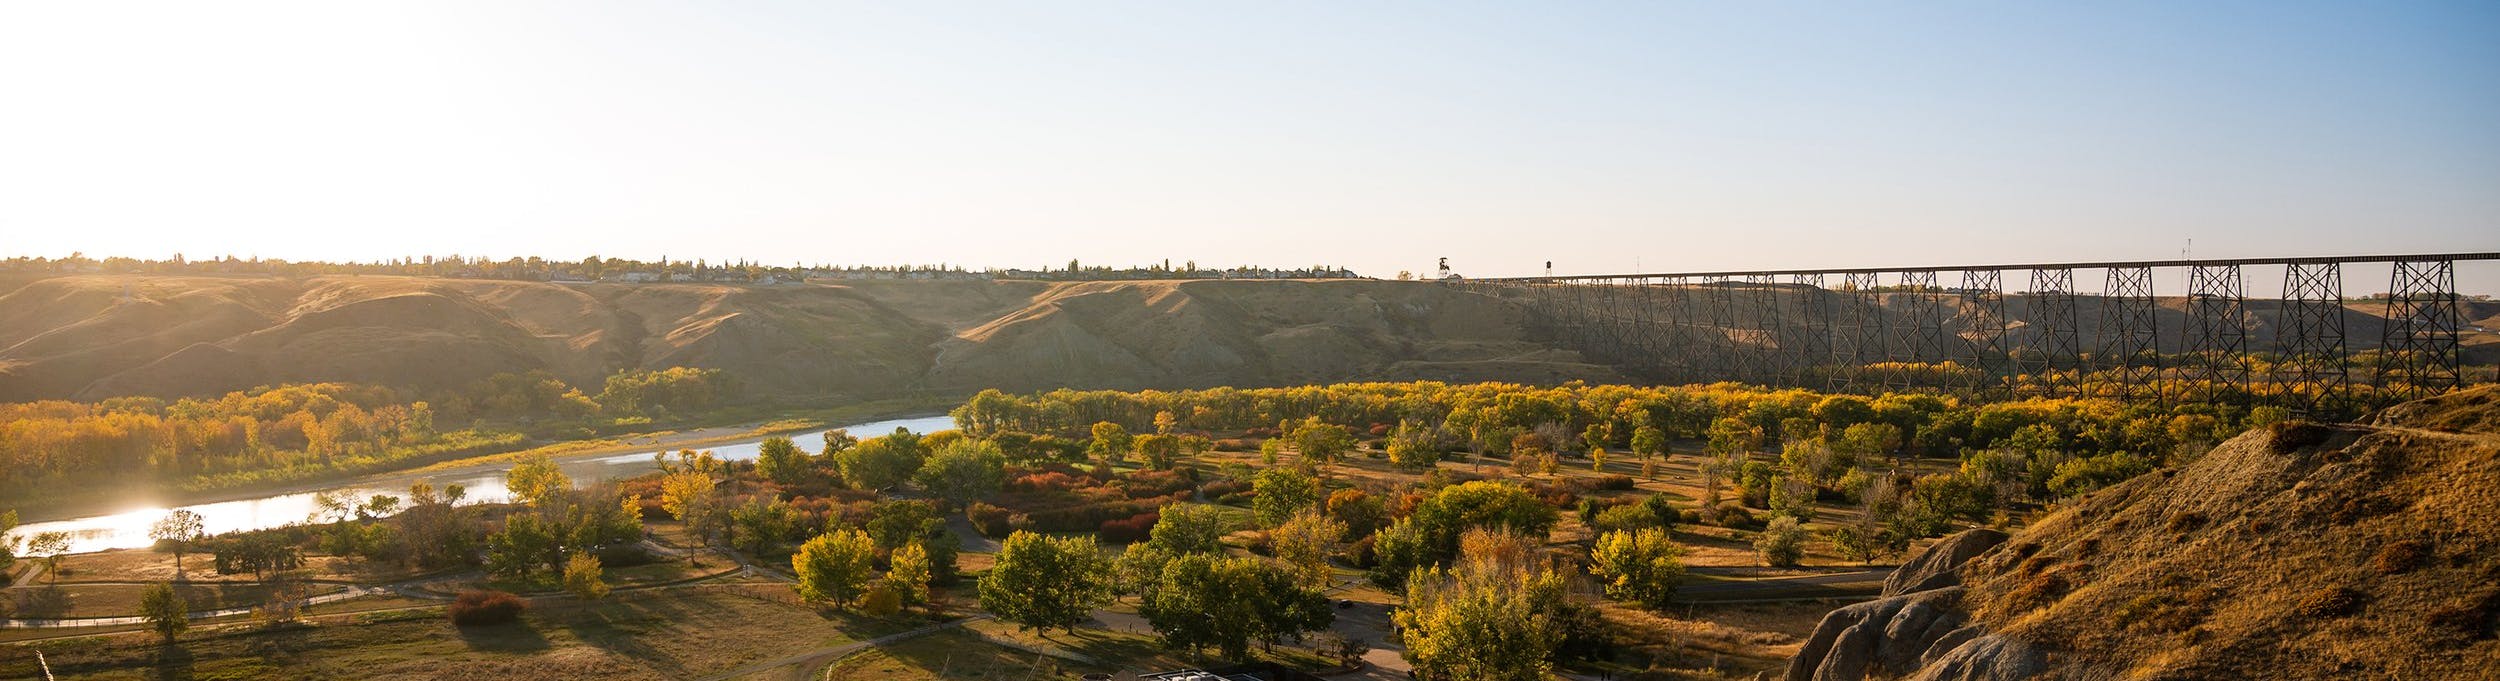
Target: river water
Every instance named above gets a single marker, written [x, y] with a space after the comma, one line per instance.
[129, 529]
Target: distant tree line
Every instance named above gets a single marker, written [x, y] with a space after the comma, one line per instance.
[296, 430]
[595, 268]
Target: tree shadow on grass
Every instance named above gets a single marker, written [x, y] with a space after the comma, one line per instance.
[43, 602]
[952, 655]
[510, 637]
[613, 626]
[173, 662]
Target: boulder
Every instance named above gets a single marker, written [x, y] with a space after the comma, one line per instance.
[1851, 653]
[1933, 567]
[1945, 644]
[1848, 640]
[1906, 635]
[1986, 658]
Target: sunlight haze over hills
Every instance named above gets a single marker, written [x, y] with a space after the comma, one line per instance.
[1602, 136]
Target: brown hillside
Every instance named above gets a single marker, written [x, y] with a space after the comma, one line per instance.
[2300, 552]
[99, 336]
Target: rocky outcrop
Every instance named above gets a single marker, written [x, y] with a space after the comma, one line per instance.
[1987, 657]
[1934, 567]
[2294, 551]
[1897, 634]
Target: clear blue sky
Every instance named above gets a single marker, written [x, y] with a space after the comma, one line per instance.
[1602, 136]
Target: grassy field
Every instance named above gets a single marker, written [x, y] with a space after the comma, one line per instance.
[45, 601]
[1120, 648]
[141, 565]
[675, 633]
[1712, 642]
[954, 656]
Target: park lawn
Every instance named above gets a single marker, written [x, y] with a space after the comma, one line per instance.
[1129, 650]
[950, 655]
[1708, 641]
[674, 633]
[662, 571]
[46, 601]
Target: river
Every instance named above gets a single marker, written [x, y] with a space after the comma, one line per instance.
[129, 529]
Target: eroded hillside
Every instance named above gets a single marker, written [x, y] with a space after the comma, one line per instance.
[91, 337]
[2304, 551]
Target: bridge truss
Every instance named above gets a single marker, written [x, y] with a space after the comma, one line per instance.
[1871, 329]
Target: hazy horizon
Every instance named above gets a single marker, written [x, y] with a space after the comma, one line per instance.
[1602, 137]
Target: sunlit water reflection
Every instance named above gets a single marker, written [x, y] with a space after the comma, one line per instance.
[129, 529]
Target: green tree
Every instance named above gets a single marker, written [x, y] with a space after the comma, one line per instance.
[582, 576]
[964, 470]
[908, 574]
[1159, 451]
[176, 532]
[526, 546]
[837, 441]
[1111, 442]
[1303, 544]
[1594, 439]
[1413, 445]
[1495, 615]
[1322, 442]
[1649, 442]
[881, 462]
[1280, 493]
[1781, 544]
[780, 460]
[9, 541]
[49, 546]
[895, 522]
[1793, 496]
[834, 567]
[1732, 437]
[1227, 603]
[536, 480]
[760, 526]
[1641, 566]
[1839, 412]
[1361, 512]
[1431, 535]
[1188, 528]
[165, 611]
[1041, 581]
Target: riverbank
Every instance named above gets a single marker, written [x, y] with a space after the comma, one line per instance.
[100, 501]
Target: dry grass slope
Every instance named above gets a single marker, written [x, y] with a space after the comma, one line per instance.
[91, 337]
[2300, 552]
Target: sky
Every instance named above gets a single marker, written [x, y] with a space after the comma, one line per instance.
[1605, 137]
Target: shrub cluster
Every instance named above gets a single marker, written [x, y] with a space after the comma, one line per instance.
[1131, 529]
[990, 521]
[477, 608]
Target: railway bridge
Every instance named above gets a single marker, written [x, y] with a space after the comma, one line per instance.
[2034, 329]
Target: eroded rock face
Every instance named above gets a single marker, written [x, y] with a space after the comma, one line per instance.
[1934, 567]
[1919, 619]
[1986, 658]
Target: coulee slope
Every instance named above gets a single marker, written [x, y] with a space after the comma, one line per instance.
[98, 336]
[2297, 552]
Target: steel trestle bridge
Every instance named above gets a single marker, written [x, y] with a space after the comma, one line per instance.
[1964, 328]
